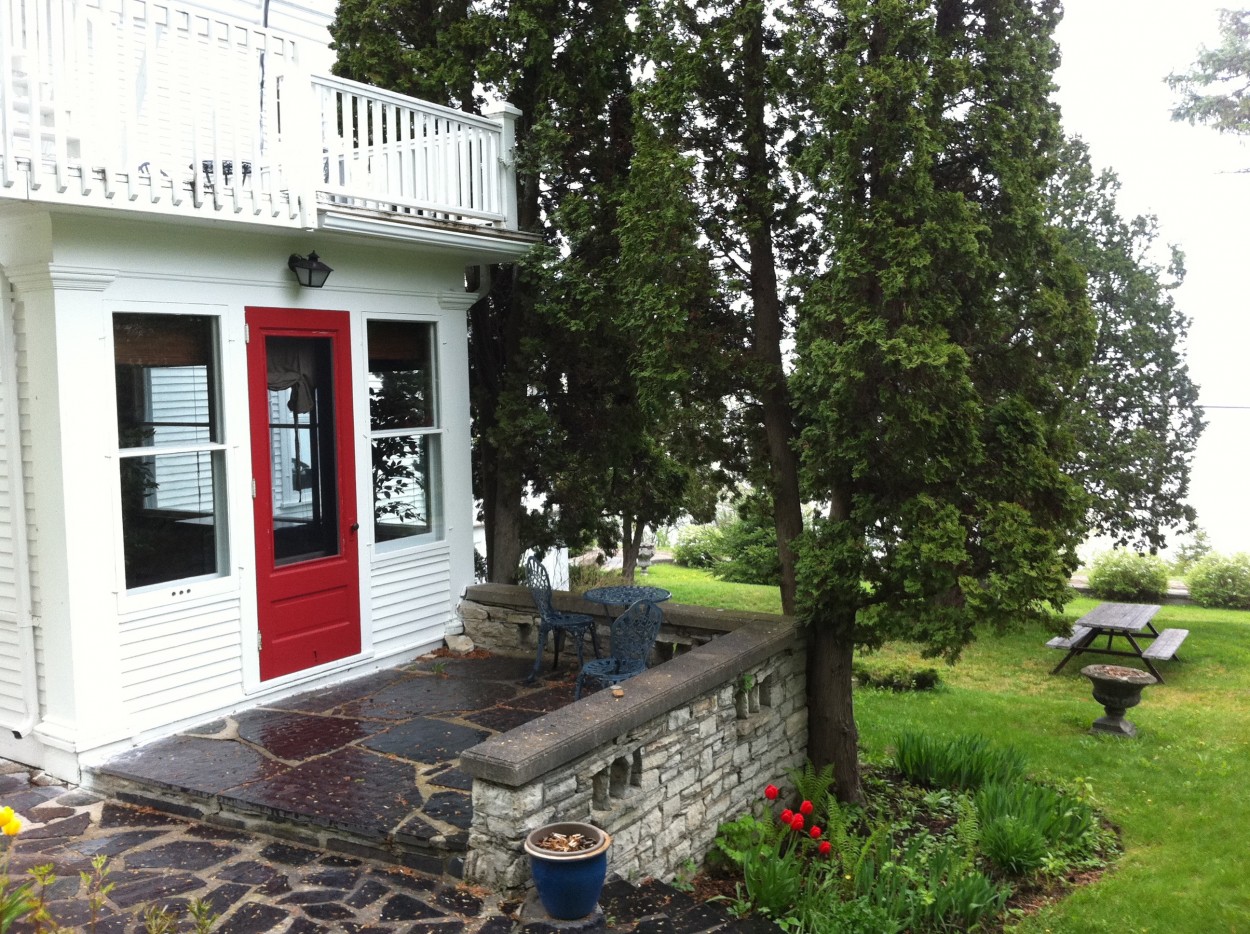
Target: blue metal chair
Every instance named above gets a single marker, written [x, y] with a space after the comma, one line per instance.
[551, 620]
[633, 634]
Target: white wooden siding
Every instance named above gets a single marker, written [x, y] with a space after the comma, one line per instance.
[8, 561]
[410, 600]
[181, 660]
[20, 420]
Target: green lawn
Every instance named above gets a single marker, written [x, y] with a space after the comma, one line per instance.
[699, 588]
[1178, 792]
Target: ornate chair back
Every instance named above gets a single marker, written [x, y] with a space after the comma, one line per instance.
[539, 583]
[633, 634]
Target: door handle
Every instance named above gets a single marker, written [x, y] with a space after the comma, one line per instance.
[355, 526]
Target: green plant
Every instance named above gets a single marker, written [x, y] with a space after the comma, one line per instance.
[157, 919]
[810, 784]
[1121, 574]
[202, 916]
[749, 549]
[897, 678]
[1190, 551]
[1013, 844]
[683, 880]
[97, 886]
[1060, 820]
[18, 901]
[965, 762]
[698, 546]
[1220, 581]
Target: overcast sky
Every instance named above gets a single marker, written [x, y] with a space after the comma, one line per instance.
[1116, 54]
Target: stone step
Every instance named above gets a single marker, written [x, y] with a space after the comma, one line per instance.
[437, 854]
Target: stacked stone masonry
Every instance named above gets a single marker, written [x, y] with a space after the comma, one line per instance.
[691, 744]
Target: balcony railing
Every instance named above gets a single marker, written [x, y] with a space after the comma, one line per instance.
[155, 106]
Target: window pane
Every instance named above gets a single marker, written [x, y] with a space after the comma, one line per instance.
[170, 517]
[407, 498]
[401, 375]
[165, 376]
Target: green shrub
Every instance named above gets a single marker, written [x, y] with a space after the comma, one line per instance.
[749, 550]
[699, 546]
[1121, 574]
[1220, 581]
[897, 679]
[966, 762]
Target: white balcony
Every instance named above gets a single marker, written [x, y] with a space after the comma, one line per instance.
[153, 106]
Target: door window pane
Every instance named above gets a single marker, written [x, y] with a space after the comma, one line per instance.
[165, 370]
[302, 463]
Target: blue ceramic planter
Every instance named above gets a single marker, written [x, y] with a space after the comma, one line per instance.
[569, 883]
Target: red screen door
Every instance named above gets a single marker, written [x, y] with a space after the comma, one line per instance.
[307, 575]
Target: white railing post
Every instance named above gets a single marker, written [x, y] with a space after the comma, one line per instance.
[506, 116]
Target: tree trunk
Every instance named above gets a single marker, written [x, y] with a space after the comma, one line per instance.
[832, 736]
[631, 541]
[503, 544]
[767, 314]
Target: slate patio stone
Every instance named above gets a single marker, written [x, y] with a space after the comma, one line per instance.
[452, 807]
[502, 718]
[421, 695]
[496, 668]
[426, 740]
[452, 778]
[289, 855]
[407, 908]
[327, 699]
[298, 736]
[188, 763]
[546, 700]
[354, 790]
[191, 855]
[156, 887]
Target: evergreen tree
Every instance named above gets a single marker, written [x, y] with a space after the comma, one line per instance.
[1214, 91]
[1135, 415]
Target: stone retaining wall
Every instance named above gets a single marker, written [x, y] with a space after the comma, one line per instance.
[691, 744]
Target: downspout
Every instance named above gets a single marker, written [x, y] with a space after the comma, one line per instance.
[21, 542]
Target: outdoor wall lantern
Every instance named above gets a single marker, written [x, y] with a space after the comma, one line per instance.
[311, 272]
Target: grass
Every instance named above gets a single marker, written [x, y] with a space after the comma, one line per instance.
[1177, 792]
[699, 588]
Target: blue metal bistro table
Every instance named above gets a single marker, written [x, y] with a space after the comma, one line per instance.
[625, 595]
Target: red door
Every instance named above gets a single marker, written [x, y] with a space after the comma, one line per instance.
[307, 575]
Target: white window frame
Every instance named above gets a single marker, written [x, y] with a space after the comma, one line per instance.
[438, 533]
[223, 579]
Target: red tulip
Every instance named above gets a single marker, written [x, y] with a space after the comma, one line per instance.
[786, 816]
[796, 823]
[771, 792]
[805, 808]
[824, 848]
[815, 832]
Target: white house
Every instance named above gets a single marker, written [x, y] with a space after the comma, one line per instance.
[218, 485]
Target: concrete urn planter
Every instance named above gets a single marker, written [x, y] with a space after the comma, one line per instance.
[1117, 688]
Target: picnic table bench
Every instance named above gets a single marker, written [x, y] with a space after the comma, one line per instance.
[1131, 622]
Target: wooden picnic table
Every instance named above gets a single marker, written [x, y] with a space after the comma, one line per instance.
[1130, 622]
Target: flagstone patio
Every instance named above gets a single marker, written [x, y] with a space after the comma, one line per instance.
[369, 767]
